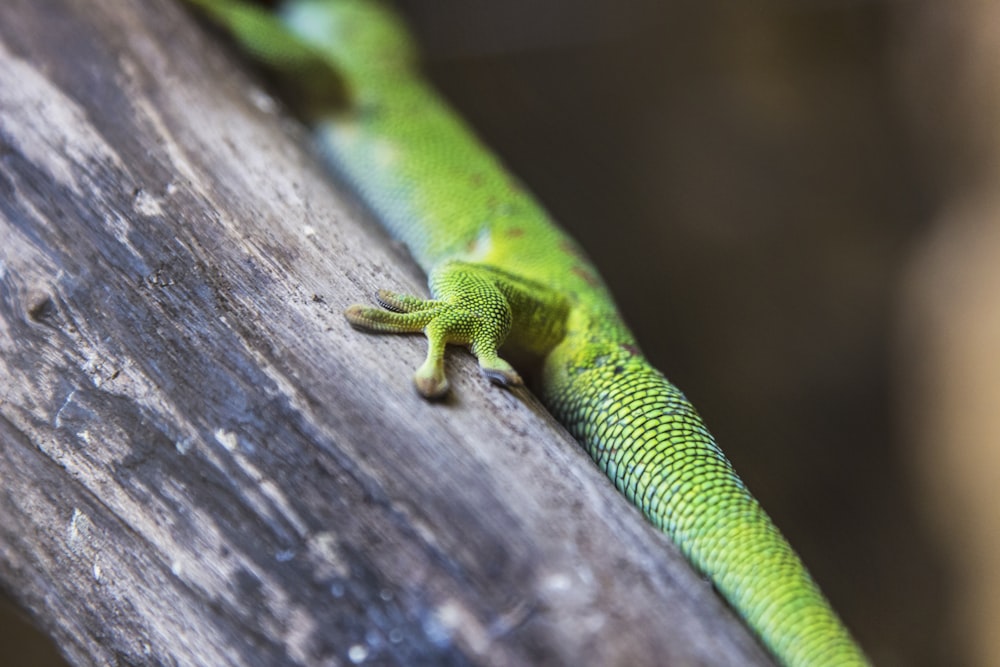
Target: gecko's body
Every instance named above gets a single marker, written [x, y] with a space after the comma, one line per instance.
[501, 272]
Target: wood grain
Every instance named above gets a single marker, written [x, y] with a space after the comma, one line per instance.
[202, 464]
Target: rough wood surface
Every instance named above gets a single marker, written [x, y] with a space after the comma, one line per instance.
[202, 464]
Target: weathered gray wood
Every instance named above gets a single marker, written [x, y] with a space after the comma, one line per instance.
[202, 464]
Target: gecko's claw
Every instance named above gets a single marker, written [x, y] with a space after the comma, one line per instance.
[403, 303]
[500, 372]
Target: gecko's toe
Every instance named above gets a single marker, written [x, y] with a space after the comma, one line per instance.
[431, 382]
[500, 372]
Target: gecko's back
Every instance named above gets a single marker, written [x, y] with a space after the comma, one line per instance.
[416, 163]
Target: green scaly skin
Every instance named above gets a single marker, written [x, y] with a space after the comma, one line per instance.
[500, 273]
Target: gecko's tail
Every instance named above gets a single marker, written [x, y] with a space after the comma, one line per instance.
[649, 439]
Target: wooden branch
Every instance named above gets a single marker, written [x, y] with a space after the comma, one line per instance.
[202, 464]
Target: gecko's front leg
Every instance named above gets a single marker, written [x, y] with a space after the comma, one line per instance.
[468, 308]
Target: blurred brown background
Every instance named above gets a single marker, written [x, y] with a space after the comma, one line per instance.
[796, 205]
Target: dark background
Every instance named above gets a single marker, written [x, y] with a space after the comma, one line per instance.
[751, 184]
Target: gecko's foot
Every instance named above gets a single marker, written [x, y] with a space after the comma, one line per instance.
[470, 312]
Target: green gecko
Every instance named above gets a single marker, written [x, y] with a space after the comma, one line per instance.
[501, 273]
